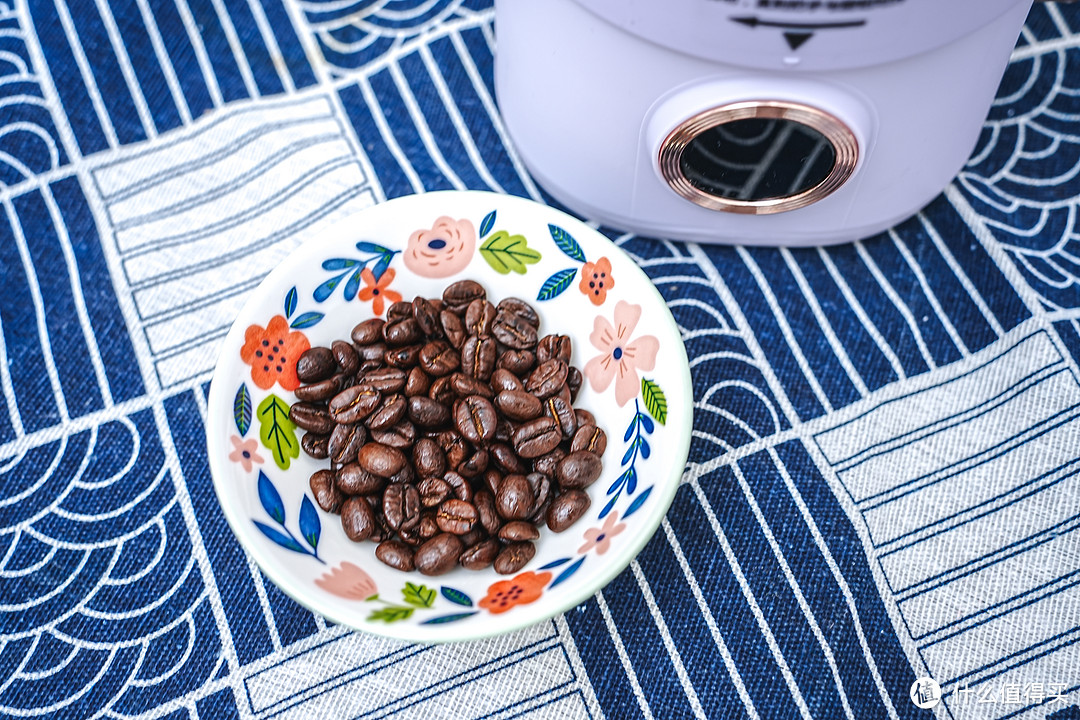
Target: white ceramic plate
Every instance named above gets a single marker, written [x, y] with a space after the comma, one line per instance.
[637, 384]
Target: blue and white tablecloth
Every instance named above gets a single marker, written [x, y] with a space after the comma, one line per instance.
[884, 480]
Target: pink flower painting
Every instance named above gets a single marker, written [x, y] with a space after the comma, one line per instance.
[621, 356]
[348, 581]
[600, 538]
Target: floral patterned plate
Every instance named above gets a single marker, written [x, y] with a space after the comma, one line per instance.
[637, 383]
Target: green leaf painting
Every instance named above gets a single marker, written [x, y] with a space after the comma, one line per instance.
[505, 253]
[655, 401]
[391, 613]
[277, 431]
[418, 595]
[242, 409]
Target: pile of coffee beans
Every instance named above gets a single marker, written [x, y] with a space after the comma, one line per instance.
[451, 432]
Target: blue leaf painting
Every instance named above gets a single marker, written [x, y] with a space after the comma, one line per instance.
[608, 508]
[242, 409]
[310, 526]
[270, 499]
[555, 563]
[325, 290]
[646, 423]
[565, 574]
[353, 286]
[306, 320]
[370, 247]
[566, 243]
[290, 302]
[629, 454]
[487, 223]
[380, 267]
[638, 502]
[556, 284]
[280, 538]
[631, 480]
[339, 264]
[630, 429]
[449, 618]
[456, 596]
[645, 450]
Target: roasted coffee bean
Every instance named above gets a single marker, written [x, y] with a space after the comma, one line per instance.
[418, 382]
[502, 379]
[345, 442]
[518, 531]
[405, 475]
[442, 391]
[322, 390]
[479, 317]
[475, 419]
[459, 485]
[399, 311]
[584, 417]
[558, 408]
[473, 536]
[464, 386]
[327, 496]
[352, 479]
[547, 463]
[368, 332]
[547, 379]
[519, 308]
[426, 317]
[478, 357]
[311, 417]
[541, 490]
[519, 362]
[481, 555]
[484, 502]
[453, 328]
[513, 331]
[396, 554]
[354, 404]
[389, 412]
[474, 465]
[554, 347]
[537, 437]
[492, 479]
[458, 295]
[519, 405]
[438, 358]
[381, 460]
[428, 458]
[578, 469]
[573, 382]
[514, 498]
[345, 355]
[357, 519]
[372, 356]
[315, 364]
[427, 413]
[456, 516]
[567, 509]
[402, 435]
[401, 506]
[439, 554]
[404, 357]
[513, 557]
[427, 528]
[504, 431]
[385, 380]
[433, 490]
[506, 459]
[591, 438]
[455, 447]
[316, 445]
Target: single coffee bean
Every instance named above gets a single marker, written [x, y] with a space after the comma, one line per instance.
[558, 408]
[354, 404]
[345, 355]
[426, 317]
[502, 379]
[554, 347]
[405, 475]
[372, 356]
[453, 328]
[491, 480]
[418, 382]
[381, 460]
[478, 356]
[345, 442]
[479, 317]
[464, 386]
[404, 357]
[513, 331]
[322, 390]
[459, 485]
[519, 405]
[326, 494]
[591, 438]
[519, 308]
[400, 436]
[518, 362]
[458, 295]
[396, 554]
[547, 379]
[541, 490]
[537, 437]
[518, 531]
[513, 557]
[475, 419]
[385, 380]
[315, 364]
[368, 332]
[316, 445]
[427, 413]
[504, 431]
[567, 509]
[573, 382]
[401, 506]
[442, 391]
[428, 458]
[514, 498]
[399, 311]
[352, 479]
[578, 469]
[456, 516]
[547, 463]
[433, 490]
[474, 465]
[428, 527]
[311, 417]
[506, 459]
[439, 554]
[389, 412]
[438, 358]
[455, 447]
[484, 502]
[357, 519]
[481, 555]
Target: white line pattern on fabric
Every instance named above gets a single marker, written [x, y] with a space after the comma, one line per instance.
[624, 659]
[87, 74]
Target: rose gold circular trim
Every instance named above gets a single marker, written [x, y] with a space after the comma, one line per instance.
[835, 131]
